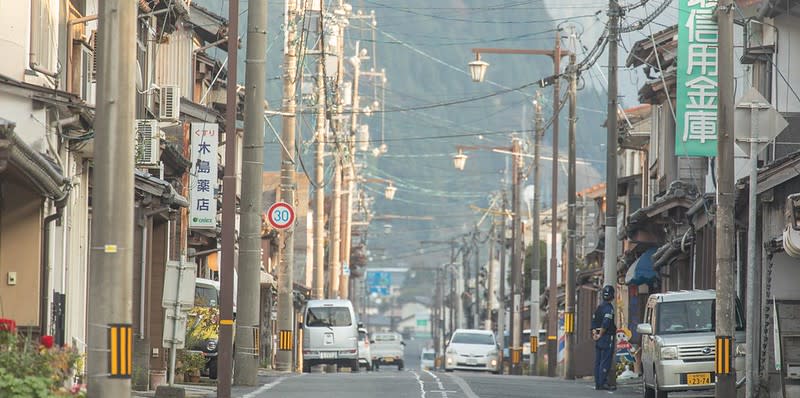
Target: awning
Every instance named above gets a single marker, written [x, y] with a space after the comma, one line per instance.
[641, 272]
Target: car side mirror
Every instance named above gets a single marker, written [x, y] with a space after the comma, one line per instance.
[644, 328]
[361, 325]
[403, 343]
[372, 341]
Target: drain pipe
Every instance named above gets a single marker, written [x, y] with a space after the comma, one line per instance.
[44, 270]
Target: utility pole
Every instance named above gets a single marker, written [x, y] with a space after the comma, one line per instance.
[110, 310]
[248, 294]
[552, 309]
[610, 257]
[319, 177]
[348, 176]
[225, 347]
[726, 378]
[286, 265]
[516, 260]
[569, 288]
[335, 224]
[476, 307]
[535, 219]
[490, 293]
[501, 311]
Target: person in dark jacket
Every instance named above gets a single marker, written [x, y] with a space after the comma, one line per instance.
[603, 330]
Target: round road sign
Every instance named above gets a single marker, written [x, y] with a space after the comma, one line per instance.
[281, 215]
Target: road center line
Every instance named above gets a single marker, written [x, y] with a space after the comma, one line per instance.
[421, 384]
[464, 386]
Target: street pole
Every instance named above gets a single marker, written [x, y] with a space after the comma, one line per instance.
[464, 278]
[348, 176]
[335, 224]
[490, 293]
[501, 310]
[516, 261]
[726, 378]
[569, 298]
[552, 305]
[248, 294]
[612, 130]
[225, 346]
[477, 304]
[319, 179]
[111, 274]
[286, 264]
[535, 219]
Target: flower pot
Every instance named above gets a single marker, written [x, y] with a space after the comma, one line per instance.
[194, 378]
[157, 378]
[179, 377]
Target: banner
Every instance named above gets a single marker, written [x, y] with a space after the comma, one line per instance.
[203, 176]
[696, 112]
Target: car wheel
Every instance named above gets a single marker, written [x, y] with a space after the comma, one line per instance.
[648, 392]
[354, 366]
[375, 366]
[448, 370]
[400, 365]
[212, 368]
[306, 366]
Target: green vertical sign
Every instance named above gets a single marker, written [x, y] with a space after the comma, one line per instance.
[696, 112]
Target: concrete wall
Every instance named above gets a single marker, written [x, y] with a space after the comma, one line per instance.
[14, 37]
[20, 252]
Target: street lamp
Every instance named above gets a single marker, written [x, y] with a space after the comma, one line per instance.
[390, 191]
[477, 68]
[459, 160]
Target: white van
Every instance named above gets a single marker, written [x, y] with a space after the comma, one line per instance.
[330, 334]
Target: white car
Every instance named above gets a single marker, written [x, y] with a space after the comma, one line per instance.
[472, 349]
[364, 355]
[427, 361]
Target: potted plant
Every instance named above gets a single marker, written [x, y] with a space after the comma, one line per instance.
[191, 363]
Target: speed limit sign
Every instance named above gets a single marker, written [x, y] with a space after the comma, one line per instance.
[281, 215]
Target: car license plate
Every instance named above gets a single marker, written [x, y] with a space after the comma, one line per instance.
[472, 361]
[327, 355]
[388, 359]
[698, 378]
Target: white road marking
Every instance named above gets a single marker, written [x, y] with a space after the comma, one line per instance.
[464, 386]
[421, 384]
[265, 387]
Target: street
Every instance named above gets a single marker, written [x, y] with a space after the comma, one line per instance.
[415, 383]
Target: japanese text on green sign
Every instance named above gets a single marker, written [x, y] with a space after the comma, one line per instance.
[696, 113]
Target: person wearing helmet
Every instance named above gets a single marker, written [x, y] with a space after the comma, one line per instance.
[603, 329]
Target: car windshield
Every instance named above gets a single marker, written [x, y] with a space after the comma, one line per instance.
[328, 316]
[473, 338]
[385, 337]
[428, 356]
[689, 317]
[205, 296]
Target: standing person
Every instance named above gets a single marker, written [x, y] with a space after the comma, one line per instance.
[603, 329]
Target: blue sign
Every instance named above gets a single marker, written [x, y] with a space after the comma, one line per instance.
[379, 283]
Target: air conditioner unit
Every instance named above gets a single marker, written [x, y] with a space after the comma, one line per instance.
[169, 107]
[148, 142]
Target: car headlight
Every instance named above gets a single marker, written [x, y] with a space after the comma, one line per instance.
[494, 362]
[211, 345]
[669, 352]
[449, 360]
[741, 350]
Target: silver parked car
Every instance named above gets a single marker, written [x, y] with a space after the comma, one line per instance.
[472, 349]
[364, 352]
[678, 342]
[330, 334]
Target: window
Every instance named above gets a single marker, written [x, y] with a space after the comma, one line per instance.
[428, 356]
[362, 336]
[328, 316]
[44, 33]
[206, 296]
[690, 317]
[473, 338]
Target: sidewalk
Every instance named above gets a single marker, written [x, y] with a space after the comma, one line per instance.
[209, 391]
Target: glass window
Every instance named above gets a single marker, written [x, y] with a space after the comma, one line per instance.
[328, 316]
[428, 356]
[205, 296]
[473, 338]
[689, 317]
[362, 336]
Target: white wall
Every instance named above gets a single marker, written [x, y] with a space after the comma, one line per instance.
[30, 123]
[14, 37]
[786, 58]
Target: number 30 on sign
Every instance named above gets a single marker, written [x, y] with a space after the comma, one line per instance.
[281, 215]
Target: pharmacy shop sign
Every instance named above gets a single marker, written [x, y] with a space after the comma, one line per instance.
[203, 176]
[696, 113]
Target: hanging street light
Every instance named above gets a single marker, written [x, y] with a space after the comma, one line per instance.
[459, 160]
[477, 68]
[390, 191]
